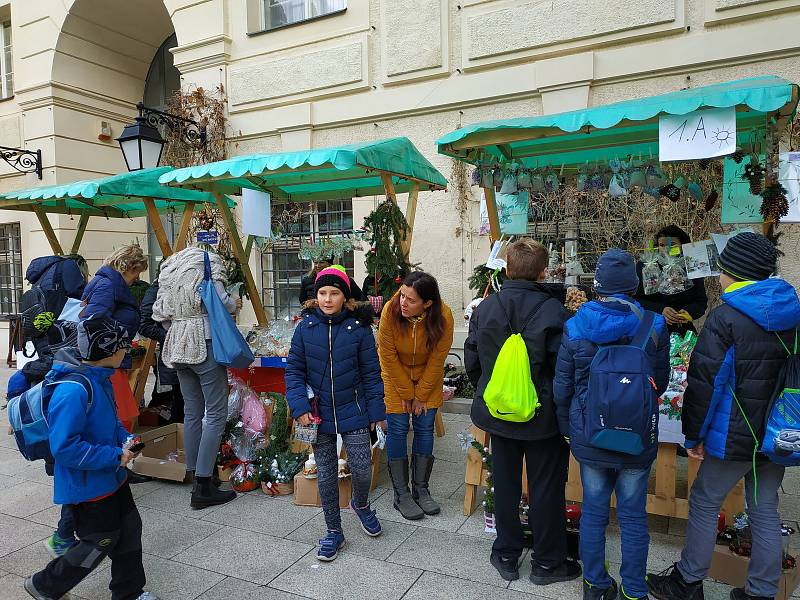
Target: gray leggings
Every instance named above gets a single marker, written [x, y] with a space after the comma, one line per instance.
[205, 393]
[714, 480]
[359, 459]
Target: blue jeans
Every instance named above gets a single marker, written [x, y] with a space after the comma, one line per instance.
[630, 486]
[66, 524]
[397, 435]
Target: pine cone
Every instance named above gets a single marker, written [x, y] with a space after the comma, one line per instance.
[738, 156]
[756, 186]
[775, 204]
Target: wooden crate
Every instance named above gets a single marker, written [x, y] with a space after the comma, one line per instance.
[664, 501]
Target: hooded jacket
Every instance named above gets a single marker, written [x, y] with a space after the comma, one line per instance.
[335, 356]
[43, 272]
[107, 295]
[601, 323]
[86, 445]
[488, 331]
[739, 351]
[155, 331]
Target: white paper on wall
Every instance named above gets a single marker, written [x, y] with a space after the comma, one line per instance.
[256, 213]
[700, 134]
[789, 178]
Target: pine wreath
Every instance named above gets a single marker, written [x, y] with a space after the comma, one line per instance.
[775, 204]
[387, 265]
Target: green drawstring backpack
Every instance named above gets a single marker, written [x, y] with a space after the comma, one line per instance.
[510, 394]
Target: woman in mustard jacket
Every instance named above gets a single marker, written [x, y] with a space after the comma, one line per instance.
[414, 338]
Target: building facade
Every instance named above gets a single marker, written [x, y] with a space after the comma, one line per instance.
[312, 73]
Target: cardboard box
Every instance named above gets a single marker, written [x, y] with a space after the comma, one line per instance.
[159, 444]
[728, 567]
[306, 492]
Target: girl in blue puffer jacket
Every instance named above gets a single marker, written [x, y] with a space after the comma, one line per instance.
[334, 362]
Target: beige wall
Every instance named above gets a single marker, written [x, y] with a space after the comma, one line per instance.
[383, 68]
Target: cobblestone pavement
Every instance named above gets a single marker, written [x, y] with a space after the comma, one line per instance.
[264, 548]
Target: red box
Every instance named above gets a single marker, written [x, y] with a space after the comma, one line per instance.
[263, 379]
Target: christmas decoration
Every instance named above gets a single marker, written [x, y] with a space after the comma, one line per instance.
[485, 280]
[488, 495]
[775, 204]
[334, 246]
[205, 219]
[738, 156]
[754, 174]
[575, 299]
[386, 229]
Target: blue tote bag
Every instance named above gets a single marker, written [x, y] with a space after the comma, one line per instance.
[229, 346]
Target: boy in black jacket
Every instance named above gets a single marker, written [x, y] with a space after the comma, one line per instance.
[524, 306]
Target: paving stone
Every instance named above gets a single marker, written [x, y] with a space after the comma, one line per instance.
[166, 535]
[6, 481]
[141, 489]
[559, 591]
[442, 587]
[450, 554]
[26, 561]
[231, 587]
[450, 519]
[349, 576]
[12, 462]
[244, 554]
[11, 588]
[444, 483]
[266, 515]
[173, 498]
[48, 516]
[18, 533]
[25, 498]
[358, 542]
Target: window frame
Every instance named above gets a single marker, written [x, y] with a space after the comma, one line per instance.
[6, 62]
[12, 256]
[259, 23]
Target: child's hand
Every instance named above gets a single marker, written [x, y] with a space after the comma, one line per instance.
[305, 420]
[698, 452]
[127, 456]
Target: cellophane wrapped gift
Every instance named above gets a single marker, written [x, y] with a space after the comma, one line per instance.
[651, 272]
[674, 278]
[237, 389]
[253, 414]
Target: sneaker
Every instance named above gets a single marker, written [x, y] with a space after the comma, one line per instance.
[507, 567]
[330, 545]
[148, 596]
[670, 585]
[58, 546]
[566, 571]
[33, 592]
[740, 594]
[369, 520]
[592, 592]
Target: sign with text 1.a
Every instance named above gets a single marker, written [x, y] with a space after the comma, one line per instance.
[700, 134]
[208, 237]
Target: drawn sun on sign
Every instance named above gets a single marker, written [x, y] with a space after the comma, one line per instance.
[722, 136]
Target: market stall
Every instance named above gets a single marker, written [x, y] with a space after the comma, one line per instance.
[122, 196]
[633, 160]
[384, 167]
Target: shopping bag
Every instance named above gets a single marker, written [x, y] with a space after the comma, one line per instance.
[227, 342]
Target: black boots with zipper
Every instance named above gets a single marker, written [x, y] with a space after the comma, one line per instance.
[421, 467]
[206, 494]
[403, 501]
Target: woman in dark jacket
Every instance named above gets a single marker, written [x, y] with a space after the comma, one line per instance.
[164, 375]
[333, 361]
[109, 295]
[672, 306]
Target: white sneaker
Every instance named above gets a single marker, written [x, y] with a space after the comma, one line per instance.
[148, 596]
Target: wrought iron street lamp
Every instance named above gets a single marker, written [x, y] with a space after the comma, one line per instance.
[142, 144]
[23, 161]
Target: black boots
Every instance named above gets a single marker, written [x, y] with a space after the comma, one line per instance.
[206, 494]
[403, 502]
[421, 467]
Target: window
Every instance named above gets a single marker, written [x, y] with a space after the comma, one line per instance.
[6, 65]
[283, 270]
[10, 268]
[279, 13]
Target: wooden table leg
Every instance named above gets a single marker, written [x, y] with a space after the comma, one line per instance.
[439, 424]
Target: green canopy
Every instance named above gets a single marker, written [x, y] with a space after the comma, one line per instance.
[116, 196]
[317, 174]
[623, 128]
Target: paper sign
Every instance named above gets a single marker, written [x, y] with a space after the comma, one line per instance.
[700, 134]
[512, 211]
[484, 227]
[789, 178]
[256, 213]
[208, 237]
[495, 262]
[701, 259]
[738, 204]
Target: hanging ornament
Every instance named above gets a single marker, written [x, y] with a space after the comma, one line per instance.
[775, 204]
[754, 173]
[372, 250]
[398, 279]
[738, 156]
[671, 191]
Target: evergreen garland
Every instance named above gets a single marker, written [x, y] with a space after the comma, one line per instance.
[279, 428]
[488, 495]
[482, 277]
[386, 229]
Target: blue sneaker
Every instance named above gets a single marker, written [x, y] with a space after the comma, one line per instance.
[369, 520]
[58, 546]
[330, 545]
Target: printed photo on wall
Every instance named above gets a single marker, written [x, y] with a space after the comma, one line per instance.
[701, 259]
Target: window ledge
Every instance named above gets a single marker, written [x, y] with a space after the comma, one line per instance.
[296, 23]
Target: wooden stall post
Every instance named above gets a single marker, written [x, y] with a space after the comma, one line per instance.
[491, 209]
[248, 246]
[82, 222]
[411, 214]
[183, 232]
[238, 250]
[47, 228]
[158, 226]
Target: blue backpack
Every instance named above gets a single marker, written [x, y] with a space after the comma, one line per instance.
[27, 415]
[621, 410]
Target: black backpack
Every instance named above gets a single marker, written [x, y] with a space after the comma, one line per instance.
[38, 300]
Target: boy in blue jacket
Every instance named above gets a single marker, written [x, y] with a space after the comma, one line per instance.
[90, 471]
[731, 385]
[614, 318]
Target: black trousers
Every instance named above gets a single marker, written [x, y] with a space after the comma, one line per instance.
[547, 464]
[109, 527]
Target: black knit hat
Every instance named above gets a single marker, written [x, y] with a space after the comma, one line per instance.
[749, 256]
[100, 337]
[334, 277]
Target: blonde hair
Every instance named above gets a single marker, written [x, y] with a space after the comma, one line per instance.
[526, 259]
[127, 258]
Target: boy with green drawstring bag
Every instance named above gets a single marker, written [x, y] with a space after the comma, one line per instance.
[741, 355]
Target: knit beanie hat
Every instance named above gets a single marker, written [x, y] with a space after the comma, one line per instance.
[100, 337]
[335, 277]
[749, 256]
[615, 273]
